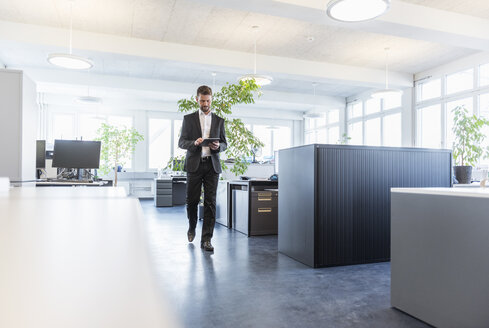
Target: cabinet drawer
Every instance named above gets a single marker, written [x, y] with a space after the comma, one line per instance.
[163, 184]
[163, 191]
[163, 200]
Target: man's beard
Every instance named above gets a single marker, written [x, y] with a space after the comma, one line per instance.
[205, 109]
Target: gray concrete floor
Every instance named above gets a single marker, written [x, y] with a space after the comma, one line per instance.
[247, 283]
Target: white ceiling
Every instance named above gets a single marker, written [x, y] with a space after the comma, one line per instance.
[349, 58]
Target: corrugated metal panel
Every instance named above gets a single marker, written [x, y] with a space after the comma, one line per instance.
[353, 197]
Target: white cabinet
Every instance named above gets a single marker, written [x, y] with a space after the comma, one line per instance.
[18, 125]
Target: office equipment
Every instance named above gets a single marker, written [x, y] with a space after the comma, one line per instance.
[334, 204]
[170, 191]
[439, 266]
[76, 154]
[40, 154]
[252, 207]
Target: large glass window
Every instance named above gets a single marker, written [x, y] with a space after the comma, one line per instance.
[355, 132]
[88, 126]
[460, 81]
[429, 90]
[281, 138]
[63, 126]
[334, 135]
[372, 106]
[484, 112]
[484, 75]
[355, 110]
[159, 142]
[430, 126]
[120, 121]
[263, 133]
[372, 132]
[467, 103]
[392, 130]
[177, 130]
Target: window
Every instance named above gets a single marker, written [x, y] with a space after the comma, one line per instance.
[159, 131]
[460, 81]
[334, 116]
[429, 90]
[393, 101]
[355, 110]
[484, 112]
[120, 121]
[484, 75]
[372, 106]
[88, 125]
[63, 126]
[177, 129]
[334, 134]
[281, 138]
[355, 132]
[467, 103]
[372, 132]
[392, 130]
[264, 135]
[429, 128]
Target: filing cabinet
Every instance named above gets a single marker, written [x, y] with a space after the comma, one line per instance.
[264, 212]
[163, 192]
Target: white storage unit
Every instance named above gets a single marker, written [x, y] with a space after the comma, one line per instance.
[18, 125]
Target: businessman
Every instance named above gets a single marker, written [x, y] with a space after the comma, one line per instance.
[202, 164]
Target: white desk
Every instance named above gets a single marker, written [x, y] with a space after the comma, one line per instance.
[76, 257]
[439, 255]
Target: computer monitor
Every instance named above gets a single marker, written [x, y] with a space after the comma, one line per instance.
[40, 154]
[76, 154]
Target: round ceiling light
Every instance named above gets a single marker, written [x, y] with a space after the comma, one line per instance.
[386, 93]
[261, 80]
[357, 10]
[70, 61]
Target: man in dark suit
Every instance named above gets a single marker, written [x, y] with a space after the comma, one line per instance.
[202, 164]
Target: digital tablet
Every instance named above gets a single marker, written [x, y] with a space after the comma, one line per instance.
[208, 141]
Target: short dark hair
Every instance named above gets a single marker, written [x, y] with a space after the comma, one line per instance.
[204, 90]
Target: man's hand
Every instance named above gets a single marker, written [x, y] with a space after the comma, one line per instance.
[214, 145]
[198, 141]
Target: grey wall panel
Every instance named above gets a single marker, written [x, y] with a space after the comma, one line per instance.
[296, 203]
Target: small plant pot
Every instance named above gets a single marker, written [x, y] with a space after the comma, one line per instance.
[463, 174]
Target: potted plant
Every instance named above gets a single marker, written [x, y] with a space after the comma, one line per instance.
[467, 149]
[241, 142]
[117, 146]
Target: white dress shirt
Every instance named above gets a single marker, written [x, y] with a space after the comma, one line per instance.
[205, 125]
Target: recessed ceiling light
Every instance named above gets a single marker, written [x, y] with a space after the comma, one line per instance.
[357, 10]
[310, 38]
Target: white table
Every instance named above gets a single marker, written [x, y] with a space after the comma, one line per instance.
[76, 257]
[440, 255]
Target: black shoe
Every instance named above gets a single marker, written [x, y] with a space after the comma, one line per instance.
[191, 235]
[207, 246]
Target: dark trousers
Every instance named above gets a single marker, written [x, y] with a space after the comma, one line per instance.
[206, 176]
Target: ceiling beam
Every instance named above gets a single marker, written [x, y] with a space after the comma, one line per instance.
[402, 20]
[77, 83]
[293, 68]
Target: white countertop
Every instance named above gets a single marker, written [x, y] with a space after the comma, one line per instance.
[464, 192]
[76, 257]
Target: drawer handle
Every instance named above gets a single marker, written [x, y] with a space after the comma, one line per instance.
[266, 194]
[265, 210]
[264, 199]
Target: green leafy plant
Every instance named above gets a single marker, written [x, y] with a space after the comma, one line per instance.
[467, 128]
[117, 146]
[176, 163]
[240, 140]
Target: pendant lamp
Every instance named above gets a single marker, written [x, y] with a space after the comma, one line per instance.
[260, 79]
[68, 60]
[387, 92]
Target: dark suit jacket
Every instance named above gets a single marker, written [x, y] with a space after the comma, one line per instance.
[191, 131]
